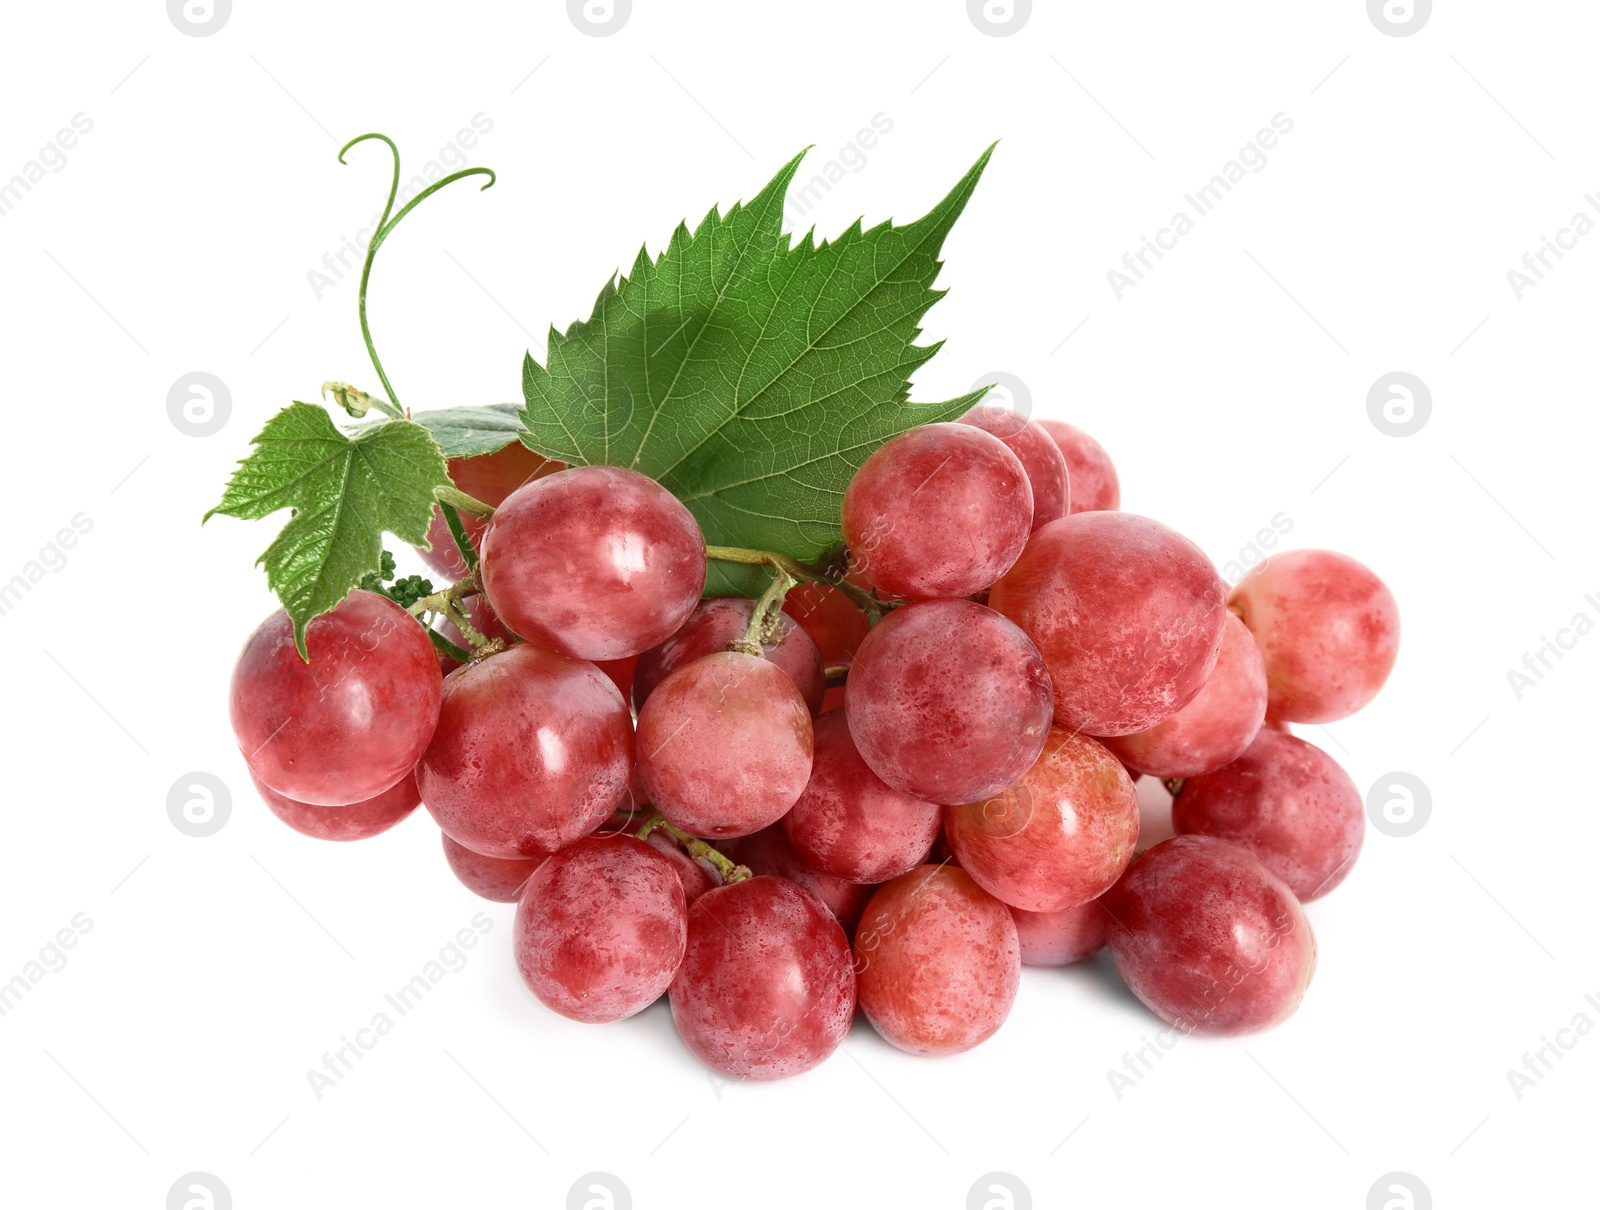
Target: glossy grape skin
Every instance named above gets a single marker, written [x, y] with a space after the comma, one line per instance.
[1074, 934]
[1041, 458]
[497, 879]
[835, 623]
[489, 478]
[1286, 801]
[351, 723]
[937, 961]
[724, 745]
[601, 928]
[1329, 632]
[533, 751]
[769, 852]
[1058, 837]
[1210, 939]
[1094, 478]
[849, 822]
[356, 821]
[949, 701]
[1218, 723]
[596, 562]
[695, 878]
[766, 988]
[1127, 614]
[710, 628]
[939, 511]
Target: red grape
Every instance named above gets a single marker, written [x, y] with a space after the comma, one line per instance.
[724, 745]
[948, 700]
[1210, 939]
[766, 988]
[495, 878]
[533, 751]
[937, 961]
[849, 823]
[710, 628]
[1218, 723]
[596, 562]
[696, 879]
[489, 478]
[835, 623]
[1059, 837]
[601, 928]
[348, 725]
[1038, 453]
[621, 673]
[769, 852]
[1073, 934]
[1127, 614]
[1094, 479]
[356, 821]
[1329, 631]
[1286, 801]
[939, 511]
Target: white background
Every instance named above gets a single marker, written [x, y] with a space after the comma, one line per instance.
[1230, 386]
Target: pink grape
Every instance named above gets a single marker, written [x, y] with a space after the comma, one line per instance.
[497, 879]
[1329, 631]
[1127, 614]
[1094, 478]
[533, 751]
[596, 562]
[356, 821]
[710, 628]
[1217, 724]
[1074, 934]
[695, 878]
[601, 927]
[489, 478]
[769, 852]
[1058, 837]
[939, 511]
[1210, 939]
[937, 961]
[848, 822]
[1286, 801]
[348, 725]
[766, 988]
[724, 745]
[1038, 453]
[949, 701]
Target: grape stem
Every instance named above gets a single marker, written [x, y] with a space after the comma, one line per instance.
[447, 602]
[454, 496]
[730, 870]
[458, 532]
[765, 624]
[805, 573]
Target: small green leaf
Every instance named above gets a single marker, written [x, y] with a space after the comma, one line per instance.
[467, 432]
[346, 493]
[750, 378]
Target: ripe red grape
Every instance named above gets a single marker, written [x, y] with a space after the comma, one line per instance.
[621, 673]
[710, 628]
[939, 511]
[848, 822]
[1073, 934]
[489, 478]
[1329, 631]
[1218, 723]
[494, 878]
[533, 751]
[937, 961]
[596, 562]
[835, 623]
[769, 852]
[1127, 614]
[948, 700]
[348, 725]
[766, 988]
[1286, 801]
[356, 821]
[1038, 453]
[601, 928]
[1210, 939]
[724, 745]
[1094, 479]
[1058, 837]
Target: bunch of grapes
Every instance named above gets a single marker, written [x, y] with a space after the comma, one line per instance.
[884, 786]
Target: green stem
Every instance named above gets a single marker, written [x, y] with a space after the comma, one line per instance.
[458, 531]
[803, 572]
[467, 586]
[445, 647]
[452, 495]
[764, 617]
[730, 870]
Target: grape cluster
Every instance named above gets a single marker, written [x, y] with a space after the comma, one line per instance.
[886, 788]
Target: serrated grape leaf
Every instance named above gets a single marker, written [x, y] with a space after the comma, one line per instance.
[749, 377]
[467, 432]
[346, 493]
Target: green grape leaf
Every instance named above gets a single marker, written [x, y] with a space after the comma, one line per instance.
[751, 377]
[345, 493]
[467, 432]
